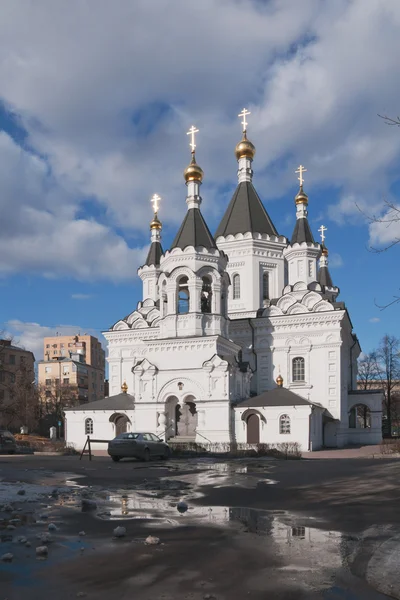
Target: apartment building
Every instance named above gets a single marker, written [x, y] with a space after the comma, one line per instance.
[73, 369]
[16, 373]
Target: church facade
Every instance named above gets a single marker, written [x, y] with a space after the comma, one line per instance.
[239, 337]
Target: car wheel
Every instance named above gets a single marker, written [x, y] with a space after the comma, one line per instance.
[146, 455]
[116, 458]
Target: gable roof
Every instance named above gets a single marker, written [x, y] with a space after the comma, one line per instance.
[193, 232]
[121, 401]
[154, 254]
[302, 232]
[245, 213]
[279, 396]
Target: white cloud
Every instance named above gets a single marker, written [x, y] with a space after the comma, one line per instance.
[81, 296]
[106, 106]
[374, 320]
[30, 335]
[387, 232]
[335, 260]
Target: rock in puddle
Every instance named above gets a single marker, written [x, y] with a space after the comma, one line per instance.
[21, 492]
[152, 540]
[52, 527]
[81, 533]
[119, 532]
[45, 538]
[42, 551]
[7, 557]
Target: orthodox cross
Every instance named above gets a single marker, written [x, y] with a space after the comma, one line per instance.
[244, 114]
[300, 171]
[155, 199]
[192, 131]
[322, 230]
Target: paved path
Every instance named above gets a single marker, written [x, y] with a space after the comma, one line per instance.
[358, 452]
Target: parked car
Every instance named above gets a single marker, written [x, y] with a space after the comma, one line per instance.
[8, 444]
[138, 445]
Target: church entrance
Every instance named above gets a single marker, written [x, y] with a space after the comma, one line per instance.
[120, 423]
[253, 429]
[186, 419]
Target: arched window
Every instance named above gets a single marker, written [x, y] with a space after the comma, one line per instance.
[360, 417]
[89, 426]
[265, 286]
[206, 295]
[298, 369]
[183, 295]
[236, 286]
[284, 424]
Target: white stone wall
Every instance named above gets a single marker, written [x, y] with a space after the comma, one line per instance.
[102, 427]
[269, 430]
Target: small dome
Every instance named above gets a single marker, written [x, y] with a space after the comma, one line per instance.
[155, 223]
[245, 149]
[301, 197]
[124, 388]
[279, 381]
[193, 172]
[324, 250]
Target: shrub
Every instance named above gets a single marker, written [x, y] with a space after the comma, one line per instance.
[390, 446]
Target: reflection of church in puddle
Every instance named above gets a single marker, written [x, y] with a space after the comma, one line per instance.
[224, 317]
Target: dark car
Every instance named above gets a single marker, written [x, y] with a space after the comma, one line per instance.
[8, 445]
[137, 445]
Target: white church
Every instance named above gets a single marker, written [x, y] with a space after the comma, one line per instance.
[239, 336]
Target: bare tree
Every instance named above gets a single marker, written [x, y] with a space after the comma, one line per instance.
[390, 120]
[368, 371]
[388, 371]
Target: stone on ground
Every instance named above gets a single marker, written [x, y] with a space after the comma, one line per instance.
[151, 540]
[42, 551]
[7, 557]
[119, 532]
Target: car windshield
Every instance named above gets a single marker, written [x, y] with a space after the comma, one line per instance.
[127, 436]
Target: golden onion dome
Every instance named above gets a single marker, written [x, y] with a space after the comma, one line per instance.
[124, 388]
[301, 197]
[193, 172]
[324, 249]
[155, 223]
[245, 149]
[279, 381]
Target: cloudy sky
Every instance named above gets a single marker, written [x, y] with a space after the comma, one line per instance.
[95, 101]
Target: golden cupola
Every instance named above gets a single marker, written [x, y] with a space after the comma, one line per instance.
[245, 148]
[193, 171]
[279, 381]
[301, 197]
[155, 223]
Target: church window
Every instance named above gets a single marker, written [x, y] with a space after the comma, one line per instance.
[206, 295]
[236, 286]
[265, 286]
[183, 295]
[89, 426]
[284, 424]
[298, 370]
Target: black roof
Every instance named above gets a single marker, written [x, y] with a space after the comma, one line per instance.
[154, 255]
[302, 232]
[324, 277]
[121, 401]
[193, 232]
[245, 213]
[279, 396]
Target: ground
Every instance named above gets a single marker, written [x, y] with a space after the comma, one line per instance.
[253, 528]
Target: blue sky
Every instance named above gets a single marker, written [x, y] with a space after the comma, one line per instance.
[93, 122]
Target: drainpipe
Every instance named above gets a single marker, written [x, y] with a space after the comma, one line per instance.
[351, 364]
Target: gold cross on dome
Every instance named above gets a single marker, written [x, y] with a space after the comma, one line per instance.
[192, 131]
[322, 230]
[244, 114]
[301, 170]
[155, 199]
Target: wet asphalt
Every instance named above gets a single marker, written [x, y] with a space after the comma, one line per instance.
[249, 528]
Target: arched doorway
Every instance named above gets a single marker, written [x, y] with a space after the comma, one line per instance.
[121, 423]
[253, 429]
[186, 419]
